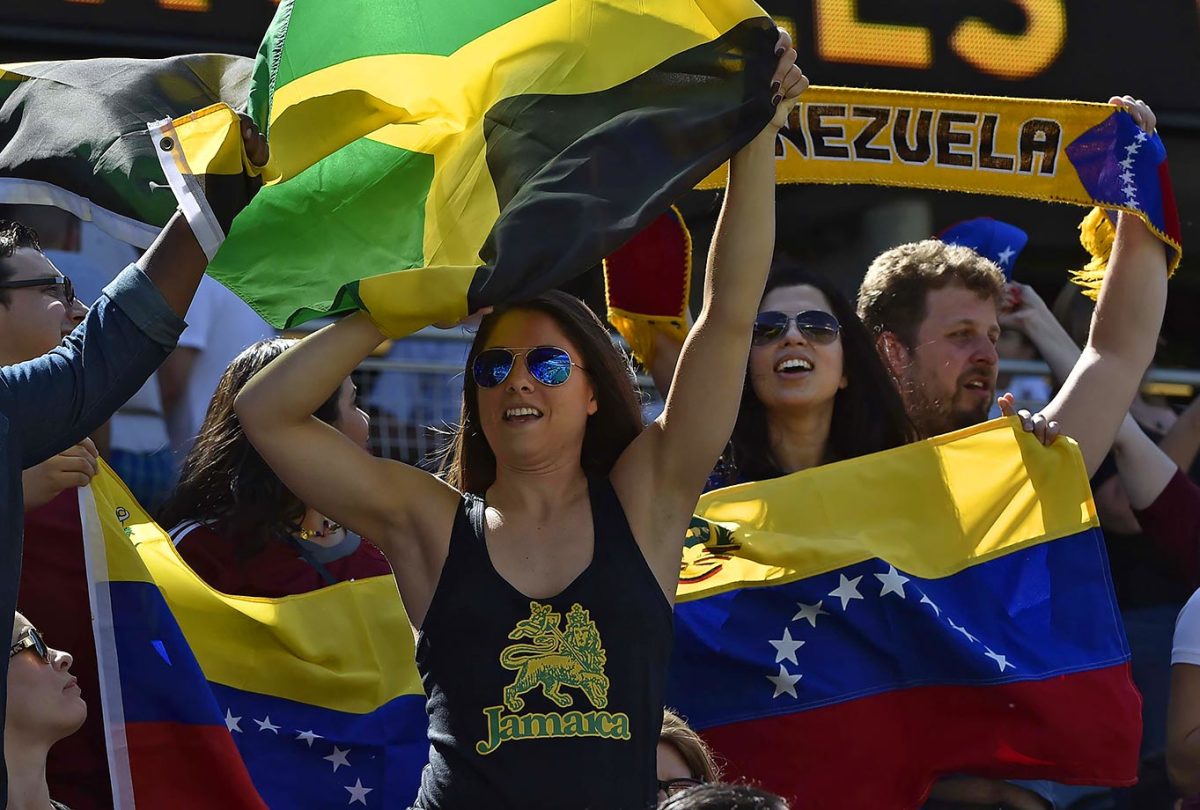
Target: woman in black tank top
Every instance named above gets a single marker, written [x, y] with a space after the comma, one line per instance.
[542, 571]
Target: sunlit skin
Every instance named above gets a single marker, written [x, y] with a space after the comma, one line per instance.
[531, 444]
[798, 403]
[670, 766]
[356, 425]
[36, 319]
[44, 705]
[351, 419]
[948, 380]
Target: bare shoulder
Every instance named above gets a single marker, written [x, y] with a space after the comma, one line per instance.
[422, 508]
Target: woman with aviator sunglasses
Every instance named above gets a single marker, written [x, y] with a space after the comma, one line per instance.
[815, 389]
[542, 571]
[44, 706]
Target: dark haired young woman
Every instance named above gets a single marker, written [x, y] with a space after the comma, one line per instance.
[236, 524]
[816, 390]
[542, 574]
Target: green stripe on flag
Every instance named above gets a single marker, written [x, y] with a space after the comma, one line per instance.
[435, 27]
[361, 207]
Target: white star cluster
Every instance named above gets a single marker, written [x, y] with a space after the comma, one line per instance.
[892, 584]
[340, 757]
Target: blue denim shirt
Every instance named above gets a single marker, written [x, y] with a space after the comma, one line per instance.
[51, 403]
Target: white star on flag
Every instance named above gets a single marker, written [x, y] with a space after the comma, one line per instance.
[962, 630]
[784, 682]
[1127, 162]
[925, 600]
[893, 582]
[786, 647]
[308, 737]
[231, 722]
[358, 793]
[267, 725]
[1141, 136]
[1000, 660]
[1127, 176]
[810, 612]
[338, 758]
[847, 589]
[1006, 255]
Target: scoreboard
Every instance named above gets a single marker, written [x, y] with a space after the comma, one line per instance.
[1085, 49]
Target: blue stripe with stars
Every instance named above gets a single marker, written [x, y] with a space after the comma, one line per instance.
[1044, 611]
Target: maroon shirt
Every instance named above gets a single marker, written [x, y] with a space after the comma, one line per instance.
[1172, 524]
[54, 597]
[278, 570]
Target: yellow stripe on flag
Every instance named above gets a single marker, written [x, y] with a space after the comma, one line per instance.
[348, 647]
[931, 509]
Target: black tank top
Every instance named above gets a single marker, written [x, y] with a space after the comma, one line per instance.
[544, 704]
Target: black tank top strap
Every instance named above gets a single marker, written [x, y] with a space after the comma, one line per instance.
[615, 543]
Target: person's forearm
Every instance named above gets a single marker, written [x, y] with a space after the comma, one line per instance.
[1054, 344]
[1130, 309]
[744, 240]
[1182, 441]
[299, 381]
[175, 264]
[1183, 765]
[666, 357]
[1145, 470]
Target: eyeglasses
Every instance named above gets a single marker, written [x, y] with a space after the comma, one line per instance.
[64, 290]
[549, 365]
[816, 326]
[31, 639]
[672, 786]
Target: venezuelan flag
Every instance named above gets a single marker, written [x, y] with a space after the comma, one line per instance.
[848, 634]
[213, 700]
[430, 158]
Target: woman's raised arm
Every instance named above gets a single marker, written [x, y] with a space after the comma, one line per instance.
[663, 471]
[391, 503]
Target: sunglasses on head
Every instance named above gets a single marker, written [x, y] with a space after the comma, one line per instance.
[31, 639]
[549, 365]
[816, 326]
[64, 289]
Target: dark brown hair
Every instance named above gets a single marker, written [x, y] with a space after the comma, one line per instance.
[224, 480]
[725, 797]
[13, 236]
[868, 414]
[892, 295]
[468, 461]
[691, 747]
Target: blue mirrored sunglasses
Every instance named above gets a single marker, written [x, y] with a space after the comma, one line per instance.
[549, 365]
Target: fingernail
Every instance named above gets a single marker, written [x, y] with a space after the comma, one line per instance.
[776, 99]
[774, 86]
[778, 52]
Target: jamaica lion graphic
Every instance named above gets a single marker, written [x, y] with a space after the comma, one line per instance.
[550, 657]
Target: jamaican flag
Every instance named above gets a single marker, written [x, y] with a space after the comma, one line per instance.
[430, 158]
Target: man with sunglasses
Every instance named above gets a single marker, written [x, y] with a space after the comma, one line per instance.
[55, 390]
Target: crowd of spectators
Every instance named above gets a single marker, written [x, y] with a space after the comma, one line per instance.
[251, 450]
